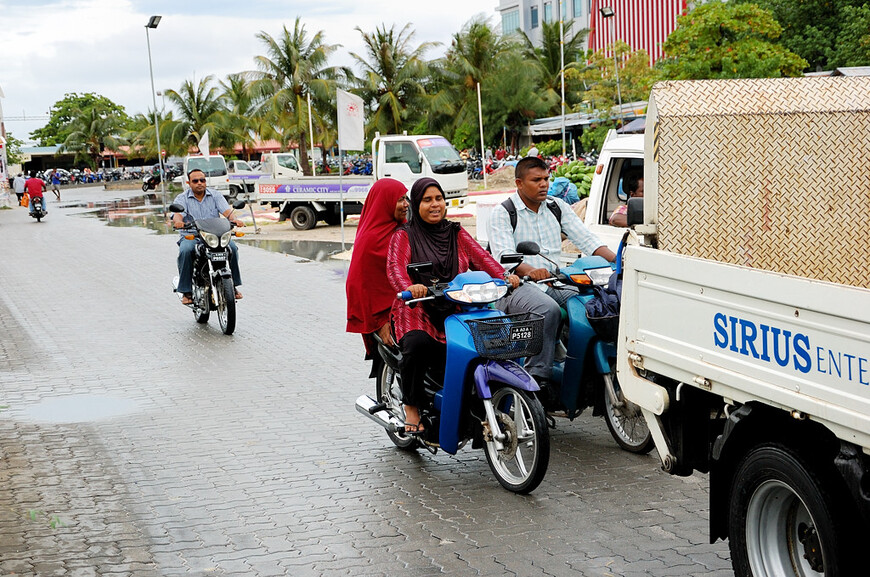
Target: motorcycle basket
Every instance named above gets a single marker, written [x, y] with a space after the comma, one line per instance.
[509, 336]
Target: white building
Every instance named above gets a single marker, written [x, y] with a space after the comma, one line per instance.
[527, 15]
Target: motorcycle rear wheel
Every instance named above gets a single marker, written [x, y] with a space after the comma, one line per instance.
[226, 305]
[201, 303]
[626, 423]
[390, 393]
[521, 463]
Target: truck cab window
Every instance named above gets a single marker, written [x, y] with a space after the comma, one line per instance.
[614, 195]
[403, 153]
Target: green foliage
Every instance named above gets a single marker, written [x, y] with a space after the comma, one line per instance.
[826, 33]
[62, 112]
[593, 137]
[547, 58]
[726, 40]
[635, 78]
[13, 150]
[465, 136]
[91, 131]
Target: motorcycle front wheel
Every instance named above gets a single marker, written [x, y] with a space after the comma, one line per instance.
[226, 305]
[390, 393]
[626, 423]
[520, 461]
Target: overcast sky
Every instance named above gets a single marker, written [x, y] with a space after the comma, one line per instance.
[52, 47]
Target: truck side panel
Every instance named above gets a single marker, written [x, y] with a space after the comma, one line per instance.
[745, 334]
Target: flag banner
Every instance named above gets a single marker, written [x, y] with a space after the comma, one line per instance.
[351, 129]
[203, 144]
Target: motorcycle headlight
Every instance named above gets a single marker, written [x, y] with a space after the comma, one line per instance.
[210, 239]
[478, 293]
[225, 238]
[599, 276]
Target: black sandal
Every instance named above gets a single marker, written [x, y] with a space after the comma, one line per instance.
[413, 429]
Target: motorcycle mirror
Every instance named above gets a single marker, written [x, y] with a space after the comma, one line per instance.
[419, 268]
[239, 204]
[511, 258]
[175, 207]
[528, 248]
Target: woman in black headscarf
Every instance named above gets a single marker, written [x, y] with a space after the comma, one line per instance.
[428, 237]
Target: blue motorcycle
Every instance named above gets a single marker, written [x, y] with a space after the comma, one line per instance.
[484, 397]
[584, 374]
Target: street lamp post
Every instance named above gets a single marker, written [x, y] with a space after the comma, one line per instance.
[152, 23]
[607, 13]
[562, 65]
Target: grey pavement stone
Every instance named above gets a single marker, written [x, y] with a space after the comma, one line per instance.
[166, 448]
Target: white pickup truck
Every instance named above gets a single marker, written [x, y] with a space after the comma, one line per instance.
[307, 199]
[745, 323]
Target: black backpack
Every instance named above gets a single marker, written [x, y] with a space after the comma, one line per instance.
[508, 205]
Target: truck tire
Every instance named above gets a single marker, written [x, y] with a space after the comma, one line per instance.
[303, 217]
[233, 194]
[786, 517]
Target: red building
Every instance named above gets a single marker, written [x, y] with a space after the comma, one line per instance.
[642, 24]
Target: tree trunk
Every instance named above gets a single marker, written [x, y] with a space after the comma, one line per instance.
[303, 155]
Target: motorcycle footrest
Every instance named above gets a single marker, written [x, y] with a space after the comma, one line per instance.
[377, 407]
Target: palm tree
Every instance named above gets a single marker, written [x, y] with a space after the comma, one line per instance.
[200, 109]
[393, 77]
[240, 117]
[140, 134]
[92, 130]
[295, 65]
[548, 57]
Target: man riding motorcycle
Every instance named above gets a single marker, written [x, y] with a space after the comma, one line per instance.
[199, 201]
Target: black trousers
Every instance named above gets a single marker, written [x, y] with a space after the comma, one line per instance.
[420, 352]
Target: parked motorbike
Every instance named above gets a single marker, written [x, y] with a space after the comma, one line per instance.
[36, 209]
[484, 396]
[586, 376]
[150, 181]
[213, 288]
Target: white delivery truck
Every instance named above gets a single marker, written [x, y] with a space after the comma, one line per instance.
[307, 199]
[215, 168]
[745, 323]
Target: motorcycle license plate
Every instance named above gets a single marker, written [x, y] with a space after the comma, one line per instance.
[217, 256]
[521, 334]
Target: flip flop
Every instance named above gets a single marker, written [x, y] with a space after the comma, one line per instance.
[412, 429]
[238, 296]
[187, 300]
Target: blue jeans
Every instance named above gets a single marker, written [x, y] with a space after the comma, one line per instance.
[33, 203]
[186, 250]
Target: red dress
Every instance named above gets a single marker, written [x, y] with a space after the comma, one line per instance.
[472, 256]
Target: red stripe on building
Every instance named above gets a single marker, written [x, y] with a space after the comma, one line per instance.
[642, 24]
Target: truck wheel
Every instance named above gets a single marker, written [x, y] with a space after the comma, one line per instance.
[233, 193]
[786, 518]
[303, 218]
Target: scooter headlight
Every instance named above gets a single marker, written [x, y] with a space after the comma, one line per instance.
[599, 276]
[210, 239]
[225, 238]
[478, 293]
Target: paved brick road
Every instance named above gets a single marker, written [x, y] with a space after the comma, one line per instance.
[136, 442]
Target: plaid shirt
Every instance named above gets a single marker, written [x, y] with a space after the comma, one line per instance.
[540, 227]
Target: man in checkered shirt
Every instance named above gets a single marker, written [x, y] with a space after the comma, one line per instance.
[537, 223]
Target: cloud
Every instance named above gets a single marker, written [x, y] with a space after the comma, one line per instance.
[51, 48]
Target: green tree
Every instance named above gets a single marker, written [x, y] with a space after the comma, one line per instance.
[91, 131]
[174, 138]
[241, 121]
[13, 149]
[598, 80]
[62, 112]
[826, 33]
[393, 76]
[547, 58]
[726, 40]
[200, 108]
[294, 66]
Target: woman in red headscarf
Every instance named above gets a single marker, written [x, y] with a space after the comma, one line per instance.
[369, 294]
[428, 237]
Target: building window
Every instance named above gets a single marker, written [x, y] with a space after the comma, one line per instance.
[534, 16]
[548, 11]
[510, 22]
[578, 8]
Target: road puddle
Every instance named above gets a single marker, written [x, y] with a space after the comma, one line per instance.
[146, 212]
[78, 409]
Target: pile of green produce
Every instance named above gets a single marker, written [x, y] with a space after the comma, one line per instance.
[577, 172]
